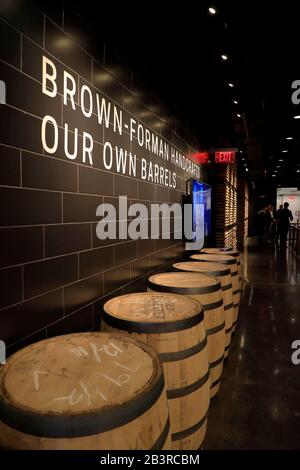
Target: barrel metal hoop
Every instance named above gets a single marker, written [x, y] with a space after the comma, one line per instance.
[228, 306]
[236, 306]
[238, 291]
[177, 436]
[229, 330]
[152, 327]
[217, 362]
[184, 290]
[160, 442]
[182, 392]
[216, 383]
[227, 287]
[227, 347]
[235, 273]
[180, 355]
[212, 306]
[80, 425]
[216, 329]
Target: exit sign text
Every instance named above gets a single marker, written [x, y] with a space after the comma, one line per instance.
[225, 157]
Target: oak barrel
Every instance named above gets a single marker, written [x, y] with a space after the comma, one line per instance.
[222, 273]
[174, 326]
[84, 391]
[231, 252]
[229, 261]
[207, 291]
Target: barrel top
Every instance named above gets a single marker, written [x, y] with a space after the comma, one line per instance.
[78, 374]
[152, 307]
[225, 259]
[212, 269]
[185, 280]
[234, 253]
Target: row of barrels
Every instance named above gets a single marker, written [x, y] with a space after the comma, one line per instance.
[144, 382]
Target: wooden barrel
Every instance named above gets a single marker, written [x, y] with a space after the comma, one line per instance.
[222, 273]
[174, 326]
[229, 261]
[232, 252]
[207, 290]
[84, 391]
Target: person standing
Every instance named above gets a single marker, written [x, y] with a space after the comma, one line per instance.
[261, 224]
[277, 221]
[269, 223]
[285, 216]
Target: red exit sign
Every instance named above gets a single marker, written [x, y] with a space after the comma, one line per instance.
[225, 156]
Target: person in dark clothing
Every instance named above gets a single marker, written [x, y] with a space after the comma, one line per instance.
[285, 216]
[261, 224]
[277, 221]
[269, 235]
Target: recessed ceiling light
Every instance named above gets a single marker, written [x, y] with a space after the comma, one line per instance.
[224, 57]
[243, 159]
[289, 138]
[246, 169]
[298, 171]
[297, 116]
[241, 151]
[284, 151]
[212, 11]
[281, 160]
[274, 176]
[232, 85]
[235, 102]
[238, 115]
[277, 166]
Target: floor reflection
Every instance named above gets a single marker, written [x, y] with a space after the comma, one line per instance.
[258, 406]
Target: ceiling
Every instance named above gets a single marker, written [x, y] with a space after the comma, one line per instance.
[176, 51]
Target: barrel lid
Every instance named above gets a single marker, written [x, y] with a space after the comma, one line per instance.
[234, 253]
[212, 269]
[152, 312]
[219, 258]
[183, 282]
[78, 384]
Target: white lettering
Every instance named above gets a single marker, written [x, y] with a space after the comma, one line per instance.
[87, 147]
[49, 77]
[71, 156]
[85, 91]
[53, 148]
[69, 91]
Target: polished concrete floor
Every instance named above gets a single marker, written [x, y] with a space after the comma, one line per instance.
[258, 406]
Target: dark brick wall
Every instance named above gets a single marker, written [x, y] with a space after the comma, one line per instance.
[55, 273]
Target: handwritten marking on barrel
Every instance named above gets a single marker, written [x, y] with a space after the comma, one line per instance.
[101, 394]
[109, 349]
[120, 381]
[36, 380]
[71, 399]
[155, 307]
[86, 392]
[127, 368]
[80, 351]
